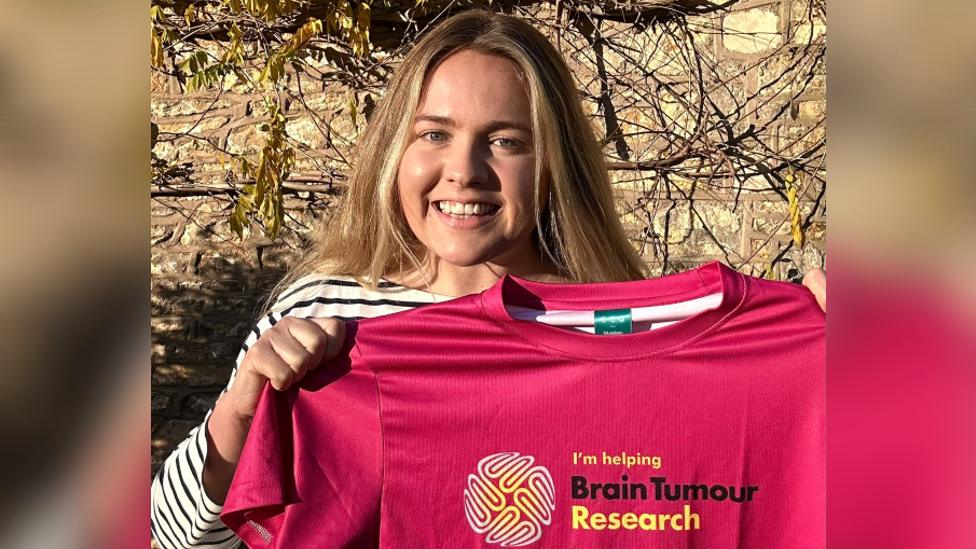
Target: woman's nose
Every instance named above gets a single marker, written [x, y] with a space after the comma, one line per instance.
[466, 164]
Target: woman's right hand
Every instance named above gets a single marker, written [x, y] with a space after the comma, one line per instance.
[283, 355]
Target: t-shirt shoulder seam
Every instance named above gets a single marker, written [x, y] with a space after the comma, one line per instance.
[780, 284]
[379, 412]
[791, 290]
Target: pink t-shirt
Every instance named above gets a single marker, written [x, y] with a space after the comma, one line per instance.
[461, 425]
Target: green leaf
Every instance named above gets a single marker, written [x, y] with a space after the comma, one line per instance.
[238, 220]
[194, 63]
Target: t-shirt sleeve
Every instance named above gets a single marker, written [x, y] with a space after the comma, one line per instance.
[311, 470]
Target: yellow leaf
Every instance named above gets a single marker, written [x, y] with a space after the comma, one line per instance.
[351, 105]
[188, 14]
[237, 221]
[346, 20]
[362, 16]
[155, 49]
[235, 52]
[796, 221]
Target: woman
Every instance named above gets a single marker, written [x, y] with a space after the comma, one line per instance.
[478, 162]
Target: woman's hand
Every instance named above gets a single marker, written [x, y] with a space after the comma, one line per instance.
[283, 355]
[816, 281]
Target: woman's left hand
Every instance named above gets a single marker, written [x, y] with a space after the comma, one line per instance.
[816, 281]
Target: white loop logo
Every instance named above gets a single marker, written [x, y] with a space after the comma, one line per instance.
[509, 499]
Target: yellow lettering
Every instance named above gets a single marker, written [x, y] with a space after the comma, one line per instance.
[692, 518]
[585, 520]
[579, 517]
[661, 519]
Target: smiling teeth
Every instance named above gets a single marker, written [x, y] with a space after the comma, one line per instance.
[459, 209]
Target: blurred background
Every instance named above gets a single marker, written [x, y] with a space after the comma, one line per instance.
[713, 119]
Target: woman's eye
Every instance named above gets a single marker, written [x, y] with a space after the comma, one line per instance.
[436, 137]
[507, 142]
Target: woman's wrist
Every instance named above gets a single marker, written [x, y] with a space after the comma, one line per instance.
[226, 432]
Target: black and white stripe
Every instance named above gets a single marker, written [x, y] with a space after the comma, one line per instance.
[182, 515]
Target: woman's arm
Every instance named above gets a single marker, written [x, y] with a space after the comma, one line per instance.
[283, 355]
[189, 489]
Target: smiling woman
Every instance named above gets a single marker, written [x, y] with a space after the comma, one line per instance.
[483, 112]
[477, 163]
[466, 181]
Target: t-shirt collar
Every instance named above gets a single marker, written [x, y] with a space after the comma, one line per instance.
[707, 279]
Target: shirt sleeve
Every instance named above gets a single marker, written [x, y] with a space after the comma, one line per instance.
[311, 470]
[182, 515]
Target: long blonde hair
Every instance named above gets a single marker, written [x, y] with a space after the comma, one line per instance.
[579, 231]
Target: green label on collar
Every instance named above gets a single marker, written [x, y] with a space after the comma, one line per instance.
[616, 321]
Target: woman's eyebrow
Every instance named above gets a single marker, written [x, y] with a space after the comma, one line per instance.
[492, 126]
[507, 125]
[444, 120]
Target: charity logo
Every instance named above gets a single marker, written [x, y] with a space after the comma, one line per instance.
[509, 499]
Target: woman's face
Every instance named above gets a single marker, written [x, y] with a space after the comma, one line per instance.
[466, 180]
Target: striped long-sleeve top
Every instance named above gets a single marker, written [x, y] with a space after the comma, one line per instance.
[182, 514]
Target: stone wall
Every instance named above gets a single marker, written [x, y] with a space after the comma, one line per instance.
[207, 285]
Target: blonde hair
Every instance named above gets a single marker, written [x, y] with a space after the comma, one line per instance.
[579, 232]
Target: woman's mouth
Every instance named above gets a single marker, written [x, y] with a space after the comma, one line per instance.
[464, 215]
[463, 210]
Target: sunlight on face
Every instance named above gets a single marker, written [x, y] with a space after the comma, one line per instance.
[466, 181]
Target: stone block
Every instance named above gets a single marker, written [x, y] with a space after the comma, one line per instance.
[796, 141]
[196, 126]
[224, 303]
[160, 401]
[167, 436]
[245, 139]
[751, 31]
[193, 375]
[160, 235]
[675, 221]
[305, 131]
[170, 108]
[808, 32]
[169, 262]
[200, 403]
[813, 111]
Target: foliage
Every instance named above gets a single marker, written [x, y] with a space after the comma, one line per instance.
[258, 50]
[678, 119]
[264, 195]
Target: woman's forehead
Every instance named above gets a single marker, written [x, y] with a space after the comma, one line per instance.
[475, 85]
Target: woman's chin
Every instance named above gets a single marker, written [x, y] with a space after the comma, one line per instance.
[464, 259]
